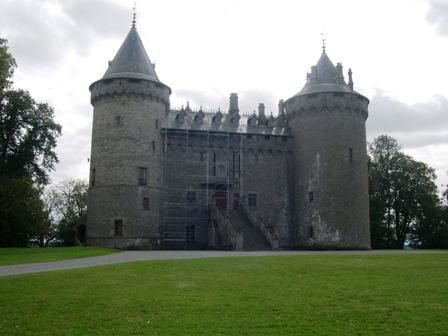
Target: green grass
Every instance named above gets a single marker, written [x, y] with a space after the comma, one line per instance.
[295, 295]
[11, 256]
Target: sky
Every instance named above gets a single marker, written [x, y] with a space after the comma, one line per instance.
[204, 50]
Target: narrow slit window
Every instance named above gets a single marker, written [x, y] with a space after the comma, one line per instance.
[93, 178]
[157, 124]
[146, 203]
[252, 200]
[350, 154]
[118, 227]
[142, 176]
[311, 197]
[153, 146]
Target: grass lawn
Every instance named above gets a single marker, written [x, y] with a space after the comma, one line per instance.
[10, 256]
[293, 295]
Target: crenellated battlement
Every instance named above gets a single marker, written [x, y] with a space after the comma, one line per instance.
[329, 102]
[105, 88]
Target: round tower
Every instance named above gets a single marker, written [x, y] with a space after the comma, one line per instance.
[126, 176]
[327, 119]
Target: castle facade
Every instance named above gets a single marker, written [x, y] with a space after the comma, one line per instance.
[165, 178]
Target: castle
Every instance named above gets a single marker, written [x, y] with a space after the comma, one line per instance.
[164, 178]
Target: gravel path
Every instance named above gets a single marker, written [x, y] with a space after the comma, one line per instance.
[130, 256]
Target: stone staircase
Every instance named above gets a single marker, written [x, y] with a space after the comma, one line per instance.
[253, 238]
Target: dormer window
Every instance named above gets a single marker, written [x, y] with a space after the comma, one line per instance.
[252, 121]
[180, 116]
[271, 121]
[199, 117]
[217, 118]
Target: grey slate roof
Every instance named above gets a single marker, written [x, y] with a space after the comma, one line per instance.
[187, 119]
[325, 77]
[131, 60]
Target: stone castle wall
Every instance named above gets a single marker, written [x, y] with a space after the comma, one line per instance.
[126, 138]
[224, 168]
[330, 170]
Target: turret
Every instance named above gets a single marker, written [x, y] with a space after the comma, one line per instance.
[126, 173]
[233, 116]
[233, 104]
[327, 119]
[261, 115]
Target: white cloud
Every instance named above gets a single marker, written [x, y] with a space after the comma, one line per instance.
[205, 50]
[438, 15]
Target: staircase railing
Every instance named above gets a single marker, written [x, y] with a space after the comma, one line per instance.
[229, 235]
[271, 237]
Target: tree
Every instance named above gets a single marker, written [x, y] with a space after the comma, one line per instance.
[445, 193]
[28, 132]
[402, 193]
[431, 231]
[66, 205]
[51, 203]
[28, 135]
[7, 66]
[21, 212]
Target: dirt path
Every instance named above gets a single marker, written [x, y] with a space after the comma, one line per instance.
[130, 256]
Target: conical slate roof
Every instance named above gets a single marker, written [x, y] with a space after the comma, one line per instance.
[326, 71]
[131, 60]
[325, 77]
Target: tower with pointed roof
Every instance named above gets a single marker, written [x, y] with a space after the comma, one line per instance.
[188, 178]
[330, 188]
[126, 175]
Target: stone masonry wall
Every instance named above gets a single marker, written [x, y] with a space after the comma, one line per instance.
[330, 171]
[125, 138]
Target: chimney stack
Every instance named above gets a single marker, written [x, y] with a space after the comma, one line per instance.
[261, 109]
[233, 104]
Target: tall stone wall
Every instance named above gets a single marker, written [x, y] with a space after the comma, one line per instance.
[266, 173]
[331, 208]
[224, 168]
[126, 141]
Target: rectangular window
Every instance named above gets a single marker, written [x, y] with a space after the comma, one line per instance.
[190, 233]
[118, 227]
[311, 197]
[153, 146]
[92, 179]
[252, 200]
[191, 197]
[142, 176]
[157, 124]
[350, 154]
[214, 164]
[311, 232]
[267, 137]
[146, 203]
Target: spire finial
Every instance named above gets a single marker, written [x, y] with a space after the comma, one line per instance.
[323, 43]
[134, 15]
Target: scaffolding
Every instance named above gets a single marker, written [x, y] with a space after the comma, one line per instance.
[200, 167]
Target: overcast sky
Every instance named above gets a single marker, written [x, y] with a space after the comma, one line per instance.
[204, 50]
